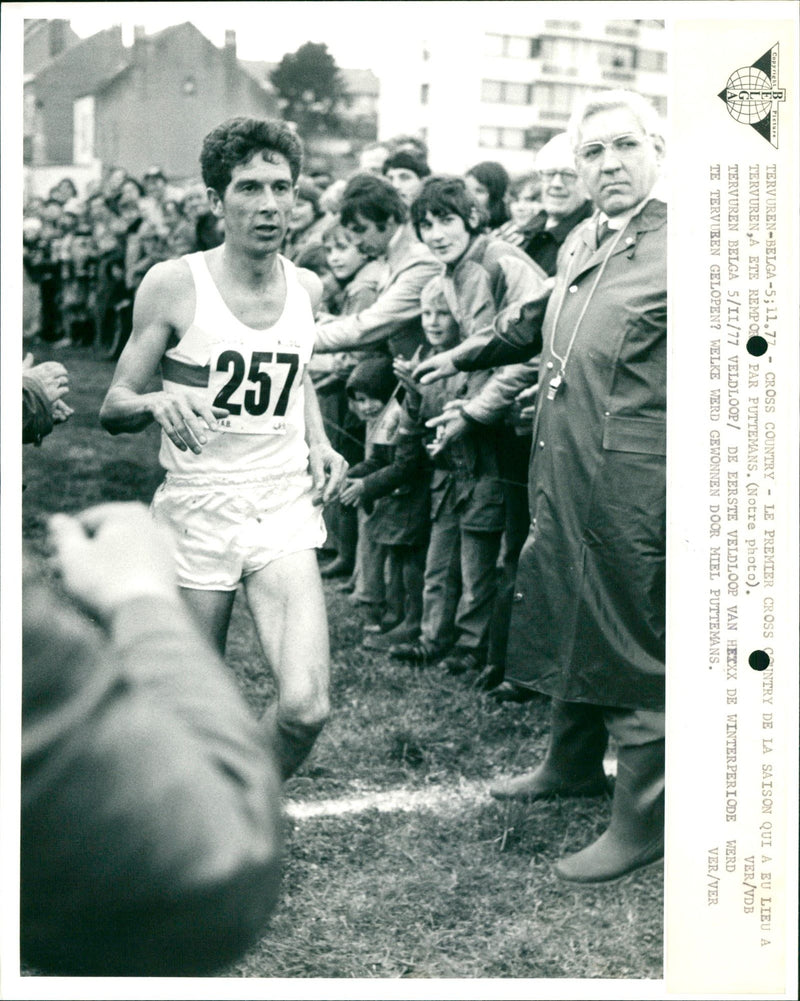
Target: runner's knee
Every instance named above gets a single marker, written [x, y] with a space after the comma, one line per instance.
[309, 709]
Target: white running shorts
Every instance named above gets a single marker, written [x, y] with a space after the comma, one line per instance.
[226, 528]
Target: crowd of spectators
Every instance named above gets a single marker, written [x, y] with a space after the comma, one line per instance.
[85, 255]
[442, 295]
[84, 258]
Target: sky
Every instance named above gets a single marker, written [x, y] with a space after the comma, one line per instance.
[359, 34]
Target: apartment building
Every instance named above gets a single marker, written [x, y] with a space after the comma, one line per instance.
[500, 80]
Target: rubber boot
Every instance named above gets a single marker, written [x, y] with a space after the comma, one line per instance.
[573, 765]
[635, 836]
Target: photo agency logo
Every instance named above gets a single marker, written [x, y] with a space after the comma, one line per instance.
[752, 95]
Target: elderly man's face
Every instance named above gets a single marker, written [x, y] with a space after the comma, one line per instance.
[562, 190]
[616, 160]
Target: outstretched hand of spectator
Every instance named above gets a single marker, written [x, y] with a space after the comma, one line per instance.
[450, 424]
[50, 376]
[61, 411]
[404, 372]
[111, 553]
[438, 366]
[352, 492]
[525, 403]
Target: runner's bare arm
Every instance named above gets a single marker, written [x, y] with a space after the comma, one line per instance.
[164, 304]
[312, 284]
[328, 468]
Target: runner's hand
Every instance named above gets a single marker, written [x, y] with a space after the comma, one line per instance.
[328, 471]
[185, 416]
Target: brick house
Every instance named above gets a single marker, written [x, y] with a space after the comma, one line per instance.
[150, 103]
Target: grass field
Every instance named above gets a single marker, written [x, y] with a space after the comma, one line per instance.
[398, 863]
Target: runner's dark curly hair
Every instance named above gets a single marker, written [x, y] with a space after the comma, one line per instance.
[235, 141]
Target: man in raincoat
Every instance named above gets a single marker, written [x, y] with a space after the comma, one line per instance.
[588, 625]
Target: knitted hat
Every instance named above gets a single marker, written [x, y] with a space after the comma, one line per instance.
[406, 161]
[374, 377]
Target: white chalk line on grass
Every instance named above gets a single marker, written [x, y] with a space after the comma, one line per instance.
[440, 799]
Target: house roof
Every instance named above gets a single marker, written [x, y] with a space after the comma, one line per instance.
[126, 62]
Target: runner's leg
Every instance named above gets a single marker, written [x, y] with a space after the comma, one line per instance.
[212, 611]
[288, 607]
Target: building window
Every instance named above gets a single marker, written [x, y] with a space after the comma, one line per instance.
[555, 101]
[491, 137]
[424, 93]
[510, 46]
[506, 92]
[518, 93]
[625, 29]
[618, 57]
[491, 91]
[651, 62]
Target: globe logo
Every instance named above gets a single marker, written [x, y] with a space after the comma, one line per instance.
[753, 95]
[749, 95]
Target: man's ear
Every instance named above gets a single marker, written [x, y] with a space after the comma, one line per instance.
[215, 202]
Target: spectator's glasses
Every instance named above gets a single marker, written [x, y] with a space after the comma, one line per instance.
[625, 146]
[567, 176]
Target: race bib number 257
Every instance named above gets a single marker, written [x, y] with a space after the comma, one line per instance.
[254, 389]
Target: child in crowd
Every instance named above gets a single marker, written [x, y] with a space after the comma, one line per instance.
[482, 277]
[466, 508]
[350, 286]
[525, 201]
[395, 480]
[371, 389]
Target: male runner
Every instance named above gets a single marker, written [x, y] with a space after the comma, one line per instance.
[247, 459]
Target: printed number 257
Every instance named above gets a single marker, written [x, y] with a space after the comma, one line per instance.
[256, 401]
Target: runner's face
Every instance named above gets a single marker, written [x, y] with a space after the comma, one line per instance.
[257, 203]
[621, 175]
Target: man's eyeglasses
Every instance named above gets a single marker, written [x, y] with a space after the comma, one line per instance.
[567, 176]
[626, 145]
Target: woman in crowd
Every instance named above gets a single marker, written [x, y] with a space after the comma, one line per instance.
[487, 182]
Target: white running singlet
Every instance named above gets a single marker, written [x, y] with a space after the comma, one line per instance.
[256, 374]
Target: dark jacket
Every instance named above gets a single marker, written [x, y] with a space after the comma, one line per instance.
[150, 826]
[589, 620]
[542, 244]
